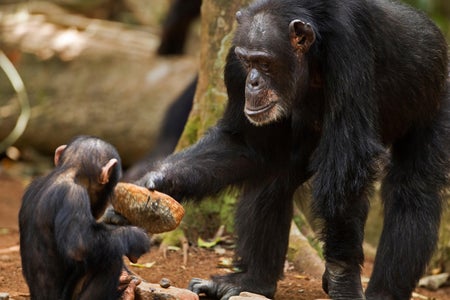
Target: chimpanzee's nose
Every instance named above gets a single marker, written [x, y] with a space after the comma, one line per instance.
[253, 80]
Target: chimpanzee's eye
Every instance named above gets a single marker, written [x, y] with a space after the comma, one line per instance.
[264, 66]
[245, 62]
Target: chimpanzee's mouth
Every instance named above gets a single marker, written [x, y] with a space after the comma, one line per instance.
[252, 111]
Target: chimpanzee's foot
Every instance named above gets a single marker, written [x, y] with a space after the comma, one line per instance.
[223, 287]
[380, 288]
[341, 282]
[222, 291]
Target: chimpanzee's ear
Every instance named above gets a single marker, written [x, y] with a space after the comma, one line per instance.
[58, 153]
[302, 35]
[107, 170]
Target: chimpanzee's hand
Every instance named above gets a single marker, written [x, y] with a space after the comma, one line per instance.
[114, 218]
[127, 284]
[152, 180]
[221, 290]
[138, 243]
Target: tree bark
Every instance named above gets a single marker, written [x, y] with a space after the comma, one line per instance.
[217, 28]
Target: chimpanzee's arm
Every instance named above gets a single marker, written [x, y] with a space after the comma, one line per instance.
[219, 159]
[80, 237]
[345, 163]
[349, 144]
[230, 153]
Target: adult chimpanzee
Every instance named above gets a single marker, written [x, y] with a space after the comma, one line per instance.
[62, 246]
[319, 89]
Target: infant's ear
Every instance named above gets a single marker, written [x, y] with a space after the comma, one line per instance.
[58, 153]
[107, 171]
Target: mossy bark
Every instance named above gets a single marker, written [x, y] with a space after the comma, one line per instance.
[217, 27]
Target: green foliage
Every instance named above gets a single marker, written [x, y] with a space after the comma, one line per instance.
[208, 244]
[204, 218]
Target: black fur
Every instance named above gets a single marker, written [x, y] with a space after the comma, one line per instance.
[62, 245]
[176, 25]
[375, 83]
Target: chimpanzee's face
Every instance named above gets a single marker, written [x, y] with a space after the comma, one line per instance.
[274, 63]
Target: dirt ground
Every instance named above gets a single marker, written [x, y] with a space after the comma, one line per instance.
[201, 262]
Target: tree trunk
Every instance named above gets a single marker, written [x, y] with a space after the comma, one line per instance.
[217, 28]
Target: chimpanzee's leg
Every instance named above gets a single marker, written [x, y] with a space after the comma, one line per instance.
[343, 234]
[263, 219]
[412, 198]
[103, 281]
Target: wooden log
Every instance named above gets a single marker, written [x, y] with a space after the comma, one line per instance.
[88, 76]
[154, 211]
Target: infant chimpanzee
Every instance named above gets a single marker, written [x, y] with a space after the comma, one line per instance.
[66, 253]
